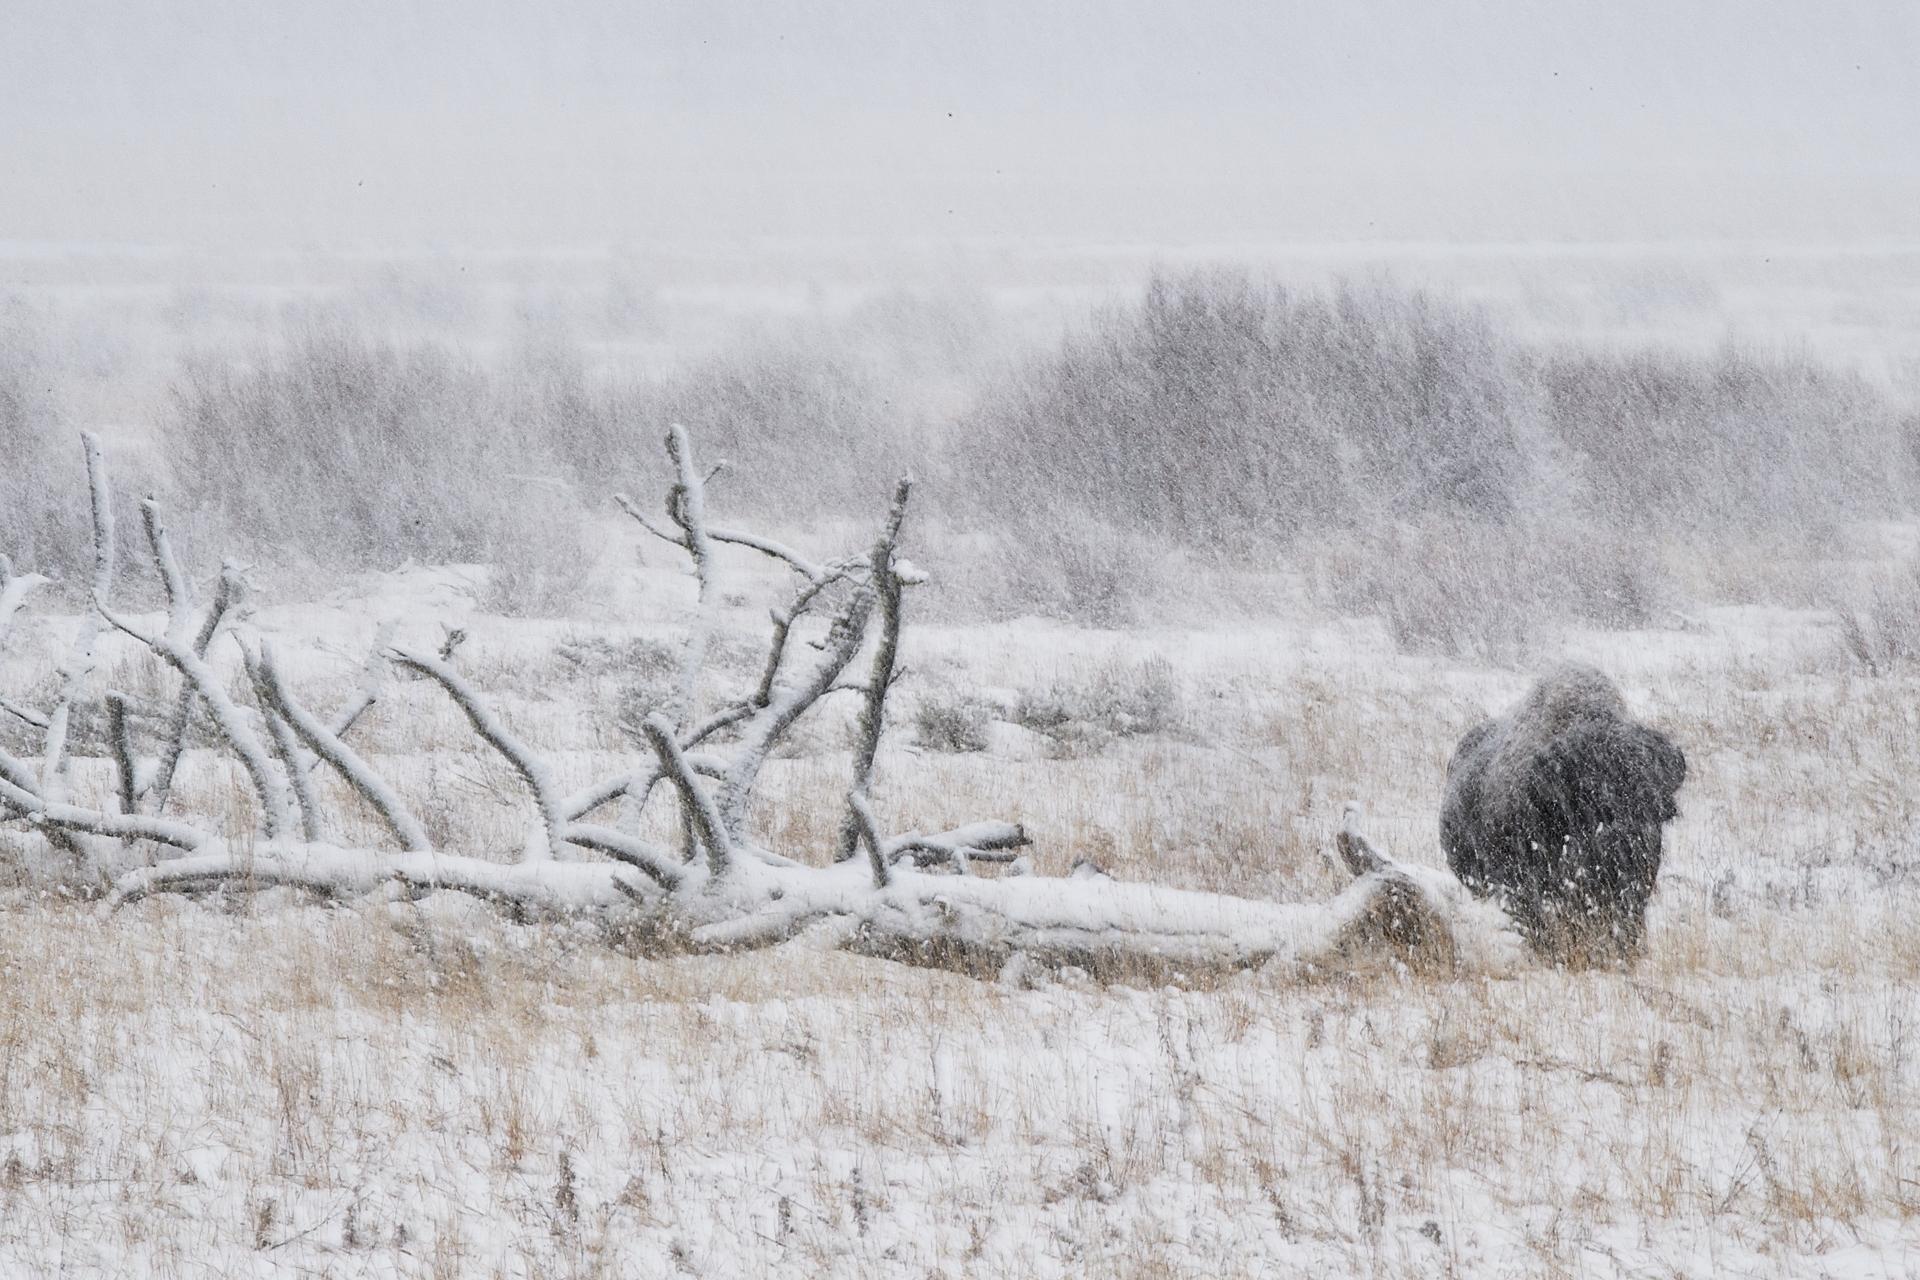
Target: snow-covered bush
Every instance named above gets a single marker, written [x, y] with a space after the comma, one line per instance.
[43, 510]
[1224, 408]
[954, 725]
[1735, 442]
[1487, 591]
[808, 431]
[527, 579]
[1222, 413]
[648, 668]
[1118, 699]
[1880, 621]
[349, 451]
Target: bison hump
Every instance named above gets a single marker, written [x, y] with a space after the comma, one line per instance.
[1606, 773]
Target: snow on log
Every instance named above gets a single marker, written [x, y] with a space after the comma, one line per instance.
[562, 888]
[976, 842]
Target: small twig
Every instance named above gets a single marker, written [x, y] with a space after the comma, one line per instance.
[31, 717]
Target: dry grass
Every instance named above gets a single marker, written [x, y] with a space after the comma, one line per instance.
[432, 1091]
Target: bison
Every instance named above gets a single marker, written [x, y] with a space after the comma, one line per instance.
[1556, 808]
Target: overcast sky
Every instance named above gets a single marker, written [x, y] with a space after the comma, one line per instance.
[482, 123]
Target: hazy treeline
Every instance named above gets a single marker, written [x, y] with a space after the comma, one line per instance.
[1405, 452]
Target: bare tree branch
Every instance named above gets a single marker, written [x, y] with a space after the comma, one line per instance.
[869, 835]
[175, 644]
[645, 521]
[372, 673]
[126, 768]
[294, 762]
[888, 589]
[686, 503]
[33, 719]
[702, 816]
[53, 766]
[545, 797]
[768, 547]
[783, 621]
[766, 726]
[975, 842]
[344, 760]
[179, 599]
[121, 826]
[654, 861]
[560, 887]
[225, 595]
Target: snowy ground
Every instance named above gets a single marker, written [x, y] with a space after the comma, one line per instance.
[199, 1089]
[272, 1087]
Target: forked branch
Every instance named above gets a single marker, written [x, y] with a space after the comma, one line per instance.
[343, 759]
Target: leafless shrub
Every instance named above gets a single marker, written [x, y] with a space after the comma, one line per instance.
[1118, 700]
[1231, 415]
[953, 725]
[528, 580]
[42, 523]
[1225, 407]
[344, 450]
[589, 654]
[1489, 591]
[1880, 624]
[1736, 441]
[806, 428]
[649, 668]
[1056, 564]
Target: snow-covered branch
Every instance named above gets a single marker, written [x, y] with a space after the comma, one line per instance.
[703, 819]
[372, 681]
[888, 589]
[687, 505]
[176, 649]
[225, 596]
[53, 766]
[344, 760]
[126, 765]
[760, 732]
[28, 803]
[976, 842]
[551, 838]
[556, 887]
[868, 834]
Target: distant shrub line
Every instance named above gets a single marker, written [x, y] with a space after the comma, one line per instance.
[1419, 461]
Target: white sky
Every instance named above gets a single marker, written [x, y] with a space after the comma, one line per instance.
[480, 123]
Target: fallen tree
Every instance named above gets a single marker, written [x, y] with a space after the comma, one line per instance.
[917, 897]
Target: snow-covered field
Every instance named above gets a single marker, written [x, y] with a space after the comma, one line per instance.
[270, 1086]
[238, 1085]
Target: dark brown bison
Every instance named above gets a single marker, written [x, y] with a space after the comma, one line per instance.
[1557, 808]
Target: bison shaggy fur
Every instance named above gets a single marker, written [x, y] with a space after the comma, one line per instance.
[1556, 808]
